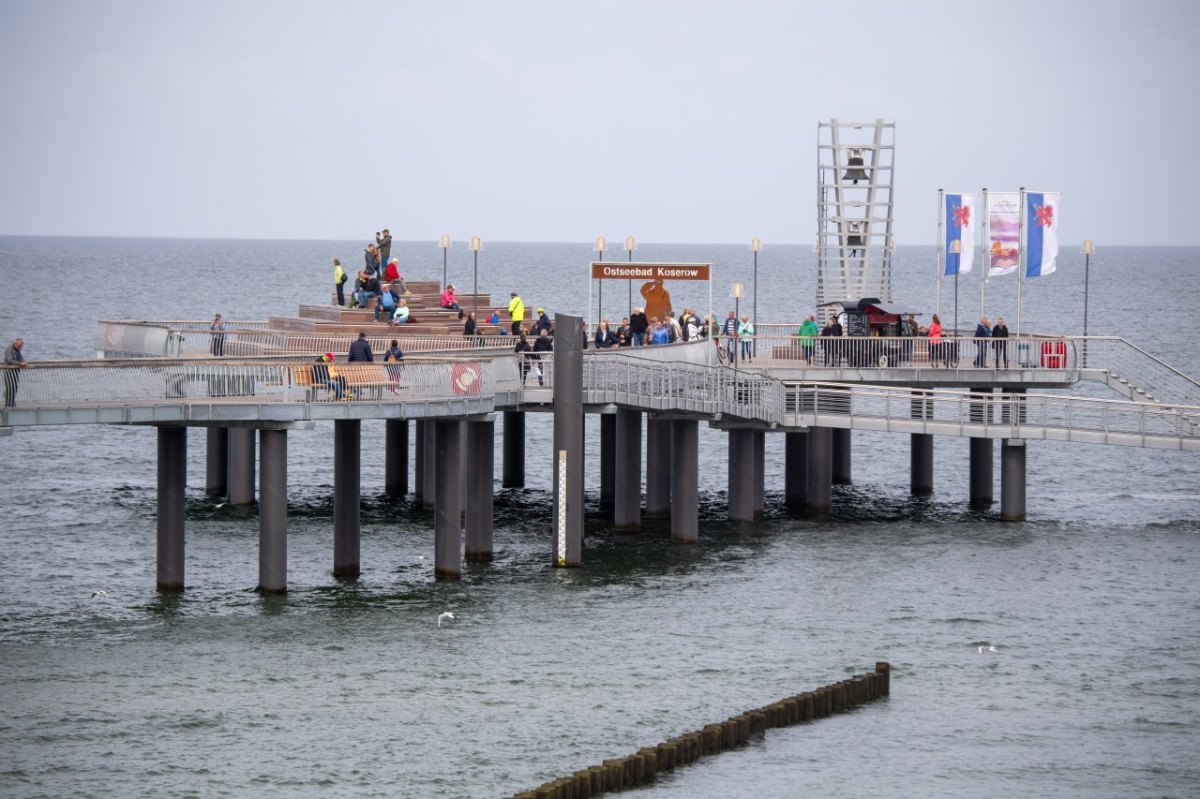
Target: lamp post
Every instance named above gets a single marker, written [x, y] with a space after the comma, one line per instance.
[445, 245]
[756, 248]
[476, 246]
[956, 250]
[601, 246]
[630, 246]
[736, 292]
[1088, 250]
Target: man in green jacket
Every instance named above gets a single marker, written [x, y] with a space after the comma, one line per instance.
[808, 333]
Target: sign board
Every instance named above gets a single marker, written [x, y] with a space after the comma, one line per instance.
[604, 270]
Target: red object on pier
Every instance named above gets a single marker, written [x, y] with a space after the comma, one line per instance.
[1054, 354]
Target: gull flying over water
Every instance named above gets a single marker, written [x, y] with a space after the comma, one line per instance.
[988, 648]
[445, 616]
[100, 594]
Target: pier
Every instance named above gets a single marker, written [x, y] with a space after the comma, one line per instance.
[455, 392]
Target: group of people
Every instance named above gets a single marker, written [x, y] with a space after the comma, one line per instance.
[942, 352]
[378, 280]
[326, 373]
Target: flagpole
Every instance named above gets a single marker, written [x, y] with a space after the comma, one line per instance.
[983, 271]
[1020, 256]
[941, 215]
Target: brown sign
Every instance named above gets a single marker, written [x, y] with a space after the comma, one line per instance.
[615, 270]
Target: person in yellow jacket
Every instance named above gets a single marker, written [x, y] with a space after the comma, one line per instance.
[516, 309]
[339, 280]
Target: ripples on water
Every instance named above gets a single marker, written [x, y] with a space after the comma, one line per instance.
[350, 689]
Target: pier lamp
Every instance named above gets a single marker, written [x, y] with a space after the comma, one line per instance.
[445, 245]
[1088, 251]
[476, 246]
[630, 246]
[601, 246]
[736, 291]
[756, 248]
[956, 250]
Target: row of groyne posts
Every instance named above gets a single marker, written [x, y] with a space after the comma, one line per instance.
[454, 472]
[643, 766]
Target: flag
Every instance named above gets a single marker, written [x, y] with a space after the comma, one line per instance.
[1041, 241]
[960, 226]
[1004, 232]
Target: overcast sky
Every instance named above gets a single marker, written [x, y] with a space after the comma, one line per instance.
[552, 121]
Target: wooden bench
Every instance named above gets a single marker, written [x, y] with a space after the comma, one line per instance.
[363, 381]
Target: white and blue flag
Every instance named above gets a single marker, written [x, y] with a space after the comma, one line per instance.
[1041, 232]
[960, 226]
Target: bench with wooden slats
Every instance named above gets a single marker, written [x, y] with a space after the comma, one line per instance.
[367, 380]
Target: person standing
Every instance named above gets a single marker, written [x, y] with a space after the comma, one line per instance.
[808, 338]
[471, 329]
[339, 280]
[360, 350]
[983, 330]
[935, 342]
[833, 347]
[516, 310]
[385, 245]
[1000, 341]
[639, 325]
[217, 345]
[729, 330]
[371, 260]
[525, 351]
[746, 336]
[604, 337]
[543, 323]
[542, 345]
[14, 361]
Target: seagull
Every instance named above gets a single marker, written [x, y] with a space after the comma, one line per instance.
[445, 616]
[100, 594]
[220, 505]
[989, 648]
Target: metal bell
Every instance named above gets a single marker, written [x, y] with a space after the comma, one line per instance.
[855, 237]
[854, 167]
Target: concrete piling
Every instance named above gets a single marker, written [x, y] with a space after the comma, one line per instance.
[627, 480]
[795, 477]
[172, 480]
[395, 457]
[347, 509]
[216, 471]
[272, 511]
[643, 766]
[513, 466]
[658, 467]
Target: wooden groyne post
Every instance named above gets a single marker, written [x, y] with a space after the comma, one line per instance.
[643, 766]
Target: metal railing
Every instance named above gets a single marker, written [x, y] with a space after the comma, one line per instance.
[164, 339]
[91, 383]
[917, 352]
[1140, 372]
[1018, 415]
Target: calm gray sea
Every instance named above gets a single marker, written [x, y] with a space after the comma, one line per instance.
[350, 689]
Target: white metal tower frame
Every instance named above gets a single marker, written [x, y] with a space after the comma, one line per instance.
[854, 216]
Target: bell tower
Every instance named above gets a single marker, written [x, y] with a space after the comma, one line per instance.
[855, 165]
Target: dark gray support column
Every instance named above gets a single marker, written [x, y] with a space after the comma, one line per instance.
[1012, 479]
[568, 439]
[272, 512]
[429, 494]
[921, 465]
[347, 483]
[447, 513]
[216, 471]
[241, 465]
[658, 467]
[419, 459]
[513, 466]
[395, 458]
[685, 475]
[608, 459]
[795, 465]
[172, 480]
[921, 457]
[841, 474]
[820, 475]
[981, 472]
[481, 457]
[741, 474]
[757, 496]
[627, 479]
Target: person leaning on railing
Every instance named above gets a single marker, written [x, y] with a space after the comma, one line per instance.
[14, 362]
